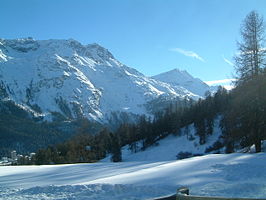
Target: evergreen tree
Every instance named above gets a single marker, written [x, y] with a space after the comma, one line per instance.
[250, 64]
[251, 56]
[116, 149]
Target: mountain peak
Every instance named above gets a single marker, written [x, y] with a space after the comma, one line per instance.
[178, 72]
[21, 44]
[100, 51]
[177, 77]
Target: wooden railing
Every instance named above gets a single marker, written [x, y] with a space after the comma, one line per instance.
[183, 194]
[172, 197]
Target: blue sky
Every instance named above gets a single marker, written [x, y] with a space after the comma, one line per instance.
[152, 36]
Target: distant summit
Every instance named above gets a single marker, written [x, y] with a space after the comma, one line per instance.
[182, 78]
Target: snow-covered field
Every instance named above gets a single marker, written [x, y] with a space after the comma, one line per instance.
[146, 174]
[234, 175]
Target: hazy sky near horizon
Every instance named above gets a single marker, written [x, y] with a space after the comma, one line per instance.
[152, 36]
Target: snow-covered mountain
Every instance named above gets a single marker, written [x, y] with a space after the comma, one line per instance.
[177, 78]
[66, 77]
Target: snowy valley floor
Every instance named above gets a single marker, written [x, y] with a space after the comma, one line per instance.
[231, 175]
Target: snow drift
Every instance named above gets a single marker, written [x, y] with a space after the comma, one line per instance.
[231, 175]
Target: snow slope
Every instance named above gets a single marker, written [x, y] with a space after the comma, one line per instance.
[168, 148]
[76, 80]
[231, 175]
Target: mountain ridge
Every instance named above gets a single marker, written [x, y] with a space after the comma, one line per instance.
[81, 80]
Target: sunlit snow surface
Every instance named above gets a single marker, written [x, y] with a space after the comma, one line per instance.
[234, 175]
